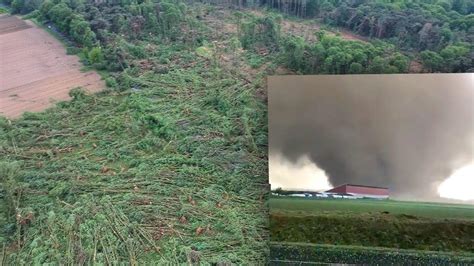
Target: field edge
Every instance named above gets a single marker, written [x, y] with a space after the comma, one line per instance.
[308, 252]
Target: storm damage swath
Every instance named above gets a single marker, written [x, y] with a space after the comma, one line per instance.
[405, 132]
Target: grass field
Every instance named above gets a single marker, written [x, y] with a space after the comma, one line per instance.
[393, 226]
[422, 209]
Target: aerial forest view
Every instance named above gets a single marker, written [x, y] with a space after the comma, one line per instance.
[167, 163]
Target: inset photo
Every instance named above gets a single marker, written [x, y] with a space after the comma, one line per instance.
[369, 169]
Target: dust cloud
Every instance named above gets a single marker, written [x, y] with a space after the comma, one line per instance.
[301, 174]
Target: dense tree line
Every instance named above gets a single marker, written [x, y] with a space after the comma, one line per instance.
[106, 30]
[330, 54]
[452, 58]
[438, 28]
[131, 18]
[441, 28]
[334, 55]
[419, 25]
[441, 31]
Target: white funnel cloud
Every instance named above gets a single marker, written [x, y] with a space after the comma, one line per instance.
[459, 185]
[302, 174]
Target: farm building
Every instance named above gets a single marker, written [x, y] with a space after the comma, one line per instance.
[360, 191]
[299, 195]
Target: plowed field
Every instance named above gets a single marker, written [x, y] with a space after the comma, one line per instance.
[35, 70]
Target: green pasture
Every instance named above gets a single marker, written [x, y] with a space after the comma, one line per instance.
[373, 223]
[302, 206]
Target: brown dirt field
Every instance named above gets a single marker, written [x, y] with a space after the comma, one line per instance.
[35, 70]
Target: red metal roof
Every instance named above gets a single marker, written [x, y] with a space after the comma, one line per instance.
[360, 189]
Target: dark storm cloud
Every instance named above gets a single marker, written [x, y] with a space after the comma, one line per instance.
[407, 132]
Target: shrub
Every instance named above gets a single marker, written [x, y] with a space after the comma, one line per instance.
[111, 82]
[94, 56]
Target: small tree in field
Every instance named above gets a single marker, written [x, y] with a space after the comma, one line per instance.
[278, 191]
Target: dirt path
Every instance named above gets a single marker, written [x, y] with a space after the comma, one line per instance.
[35, 70]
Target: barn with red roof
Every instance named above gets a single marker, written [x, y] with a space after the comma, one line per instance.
[361, 191]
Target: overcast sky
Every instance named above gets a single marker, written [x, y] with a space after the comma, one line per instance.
[406, 132]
